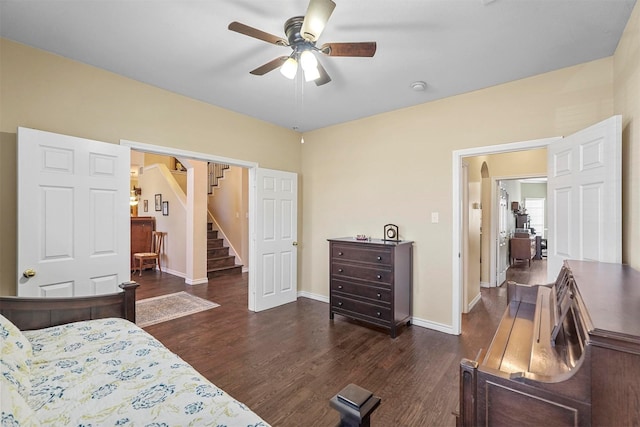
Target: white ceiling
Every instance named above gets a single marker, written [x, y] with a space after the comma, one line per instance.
[455, 46]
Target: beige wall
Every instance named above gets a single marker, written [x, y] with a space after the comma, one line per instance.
[396, 167]
[358, 176]
[156, 179]
[626, 66]
[45, 91]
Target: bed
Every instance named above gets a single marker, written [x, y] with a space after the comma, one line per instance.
[83, 362]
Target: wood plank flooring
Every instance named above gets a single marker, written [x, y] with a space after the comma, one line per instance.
[286, 363]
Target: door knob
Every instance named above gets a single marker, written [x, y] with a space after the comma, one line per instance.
[29, 272]
[295, 243]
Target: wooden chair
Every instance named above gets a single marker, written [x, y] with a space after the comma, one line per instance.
[141, 259]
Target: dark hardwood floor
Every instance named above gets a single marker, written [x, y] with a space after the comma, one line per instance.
[286, 363]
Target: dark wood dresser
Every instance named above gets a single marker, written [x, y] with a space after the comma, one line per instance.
[141, 228]
[371, 280]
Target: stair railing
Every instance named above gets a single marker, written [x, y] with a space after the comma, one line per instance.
[215, 173]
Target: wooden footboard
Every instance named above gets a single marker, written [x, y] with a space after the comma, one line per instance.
[38, 313]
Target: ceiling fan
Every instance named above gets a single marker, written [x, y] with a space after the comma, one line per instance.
[302, 34]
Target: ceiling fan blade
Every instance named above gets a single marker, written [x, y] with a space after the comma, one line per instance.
[257, 34]
[363, 49]
[316, 18]
[324, 77]
[269, 66]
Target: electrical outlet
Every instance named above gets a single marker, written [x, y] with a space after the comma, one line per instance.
[435, 217]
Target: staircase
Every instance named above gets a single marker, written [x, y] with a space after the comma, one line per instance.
[219, 262]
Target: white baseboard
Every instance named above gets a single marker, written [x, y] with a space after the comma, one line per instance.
[173, 272]
[317, 297]
[485, 284]
[200, 281]
[415, 321]
[474, 301]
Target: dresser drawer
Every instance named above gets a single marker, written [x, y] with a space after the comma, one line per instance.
[373, 274]
[375, 293]
[381, 256]
[372, 311]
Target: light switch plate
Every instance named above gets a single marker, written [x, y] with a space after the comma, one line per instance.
[435, 217]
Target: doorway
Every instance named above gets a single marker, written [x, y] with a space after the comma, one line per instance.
[584, 199]
[262, 286]
[204, 193]
[458, 244]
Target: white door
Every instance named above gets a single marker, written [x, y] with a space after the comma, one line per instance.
[584, 196]
[73, 215]
[502, 259]
[276, 235]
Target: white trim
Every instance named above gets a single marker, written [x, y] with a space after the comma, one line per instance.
[175, 152]
[474, 302]
[485, 284]
[316, 297]
[197, 281]
[253, 255]
[179, 274]
[456, 157]
[415, 321]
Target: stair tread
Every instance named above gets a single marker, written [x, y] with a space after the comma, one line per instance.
[224, 271]
[220, 257]
[223, 268]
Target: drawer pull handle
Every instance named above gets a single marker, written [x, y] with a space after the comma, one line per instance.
[339, 253]
[340, 270]
[379, 258]
[378, 314]
[340, 304]
[379, 276]
[379, 295]
[339, 286]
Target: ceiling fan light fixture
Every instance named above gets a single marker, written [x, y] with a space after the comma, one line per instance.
[311, 74]
[308, 61]
[289, 68]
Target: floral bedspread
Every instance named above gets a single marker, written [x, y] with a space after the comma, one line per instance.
[110, 372]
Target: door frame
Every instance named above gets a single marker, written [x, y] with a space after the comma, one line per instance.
[457, 251]
[251, 166]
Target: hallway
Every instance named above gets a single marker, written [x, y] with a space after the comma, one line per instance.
[520, 272]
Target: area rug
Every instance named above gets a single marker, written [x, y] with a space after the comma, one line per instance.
[154, 310]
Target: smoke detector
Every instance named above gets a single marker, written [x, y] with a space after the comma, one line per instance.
[418, 86]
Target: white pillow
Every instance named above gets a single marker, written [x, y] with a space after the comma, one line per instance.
[15, 357]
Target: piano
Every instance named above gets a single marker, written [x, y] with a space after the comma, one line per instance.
[564, 354]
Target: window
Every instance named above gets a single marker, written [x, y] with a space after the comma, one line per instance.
[535, 209]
